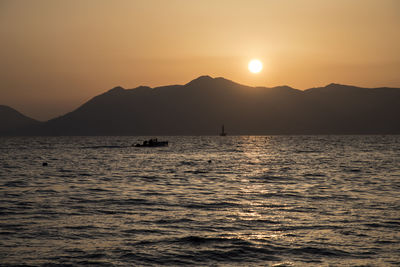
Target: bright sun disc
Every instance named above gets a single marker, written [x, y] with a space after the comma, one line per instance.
[255, 66]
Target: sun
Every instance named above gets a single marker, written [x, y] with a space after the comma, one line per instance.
[255, 66]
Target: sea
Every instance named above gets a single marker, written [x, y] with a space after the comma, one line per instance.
[323, 200]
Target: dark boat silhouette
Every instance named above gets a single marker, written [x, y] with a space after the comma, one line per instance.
[223, 133]
[152, 143]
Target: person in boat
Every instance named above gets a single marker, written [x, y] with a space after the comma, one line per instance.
[152, 143]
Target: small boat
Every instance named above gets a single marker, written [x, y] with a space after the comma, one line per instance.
[223, 133]
[152, 143]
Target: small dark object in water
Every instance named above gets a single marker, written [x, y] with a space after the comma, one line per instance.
[152, 143]
[45, 164]
[209, 161]
[223, 133]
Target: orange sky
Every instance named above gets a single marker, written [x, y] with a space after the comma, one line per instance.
[57, 54]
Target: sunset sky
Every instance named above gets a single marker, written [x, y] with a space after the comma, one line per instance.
[55, 55]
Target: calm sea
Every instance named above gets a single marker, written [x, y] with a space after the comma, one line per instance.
[222, 201]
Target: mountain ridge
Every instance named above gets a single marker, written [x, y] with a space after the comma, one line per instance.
[200, 106]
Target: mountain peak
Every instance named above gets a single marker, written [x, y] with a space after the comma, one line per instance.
[117, 89]
[11, 119]
[341, 86]
[337, 85]
[204, 79]
[335, 88]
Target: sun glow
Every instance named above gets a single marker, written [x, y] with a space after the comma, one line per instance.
[255, 66]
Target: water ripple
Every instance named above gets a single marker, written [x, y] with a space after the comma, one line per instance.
[237, 200]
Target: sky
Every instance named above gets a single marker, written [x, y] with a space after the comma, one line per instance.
[55, 55]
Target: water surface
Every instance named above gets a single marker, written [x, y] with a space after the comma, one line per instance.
[235, 200]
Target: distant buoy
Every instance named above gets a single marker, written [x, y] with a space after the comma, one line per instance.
[44, 164]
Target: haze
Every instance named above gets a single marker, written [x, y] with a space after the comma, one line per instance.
[57, 54]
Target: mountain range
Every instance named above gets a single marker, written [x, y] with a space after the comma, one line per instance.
[201, 106]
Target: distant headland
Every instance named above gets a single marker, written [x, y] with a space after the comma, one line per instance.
[201, 106]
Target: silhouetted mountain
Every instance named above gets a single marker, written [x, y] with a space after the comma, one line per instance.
[201, 106]
[12, 122]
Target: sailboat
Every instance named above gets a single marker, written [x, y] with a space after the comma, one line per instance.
[223, 133]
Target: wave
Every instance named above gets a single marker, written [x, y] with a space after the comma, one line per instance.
[100, 147]
[212, 205]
